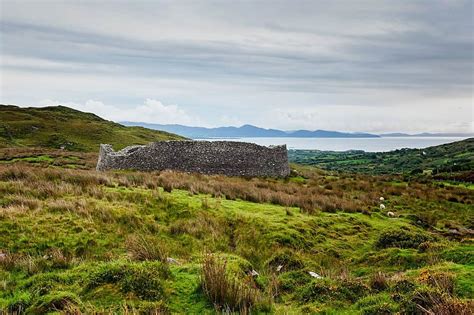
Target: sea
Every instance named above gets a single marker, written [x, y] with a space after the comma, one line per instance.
[382, 144]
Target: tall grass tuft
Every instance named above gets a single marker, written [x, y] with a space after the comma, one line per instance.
[226, 292]
[141, 248]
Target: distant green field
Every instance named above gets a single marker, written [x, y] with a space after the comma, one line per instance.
[62, 127]
[448, 158]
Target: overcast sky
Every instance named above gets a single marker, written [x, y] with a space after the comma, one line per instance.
[373, 66]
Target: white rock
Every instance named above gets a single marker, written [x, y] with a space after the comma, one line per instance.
[253, 273]
[314, 275]
[279, 268]
[172, 261]
[390, 214]
[382, 206]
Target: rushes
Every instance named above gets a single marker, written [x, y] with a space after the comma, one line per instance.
[225, 291]
[141, 248]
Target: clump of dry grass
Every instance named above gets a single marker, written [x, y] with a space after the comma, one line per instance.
[227, 293]
[437, 303]
[443, 281]
[379, 281]
[141, 247]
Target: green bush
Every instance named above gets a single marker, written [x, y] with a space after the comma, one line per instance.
[402, 239]
[145, 279]
[290, 281]
[352, 290]
[379, 304]
[317, 290]
[286, 258]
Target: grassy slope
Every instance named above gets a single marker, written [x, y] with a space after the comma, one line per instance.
[456, 156]
[53, 127]
[66, 232]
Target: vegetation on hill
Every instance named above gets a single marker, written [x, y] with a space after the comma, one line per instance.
[74, 240]
[447, 158]
[62, 127]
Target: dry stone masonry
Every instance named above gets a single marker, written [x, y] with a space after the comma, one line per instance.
[218, 157]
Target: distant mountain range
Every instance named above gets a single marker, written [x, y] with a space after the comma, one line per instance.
[246, 131]
[250, 131]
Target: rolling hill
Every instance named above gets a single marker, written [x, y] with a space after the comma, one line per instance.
[63, 127]
[446, 158]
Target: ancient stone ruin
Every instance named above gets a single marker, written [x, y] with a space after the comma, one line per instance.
[218, 157]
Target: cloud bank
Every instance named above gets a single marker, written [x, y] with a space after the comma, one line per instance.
[367, 65]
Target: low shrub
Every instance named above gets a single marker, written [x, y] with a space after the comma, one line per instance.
[145, 279]
[441, 280]
[379, 304]
[290, 281]
[351, 290]
[402, 239]
[326, 289]
[404, 286]
[286, 258]
[317, 290]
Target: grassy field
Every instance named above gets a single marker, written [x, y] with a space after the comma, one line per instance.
[455, 158]
[73, 240]
[58, 127]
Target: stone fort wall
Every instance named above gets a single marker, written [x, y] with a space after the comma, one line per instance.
[217, 157]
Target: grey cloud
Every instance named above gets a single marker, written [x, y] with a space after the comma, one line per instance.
[423, 47]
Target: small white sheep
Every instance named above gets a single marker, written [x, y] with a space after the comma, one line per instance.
[381, 198]
[382, 206]
[390, 214]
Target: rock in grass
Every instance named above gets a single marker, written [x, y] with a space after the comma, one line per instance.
[314, 275]
[254, 273]
[170, 260]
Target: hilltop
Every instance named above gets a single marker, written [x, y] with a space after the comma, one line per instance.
[447, 158]
[57, 127]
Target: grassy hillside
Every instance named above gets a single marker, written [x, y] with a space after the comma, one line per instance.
[75, 240]
[447, 158]
[63, 127]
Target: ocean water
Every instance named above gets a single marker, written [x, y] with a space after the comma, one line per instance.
[344, 144]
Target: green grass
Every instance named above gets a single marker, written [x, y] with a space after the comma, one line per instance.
[446, 159]
[58, 127]
[65, 233]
